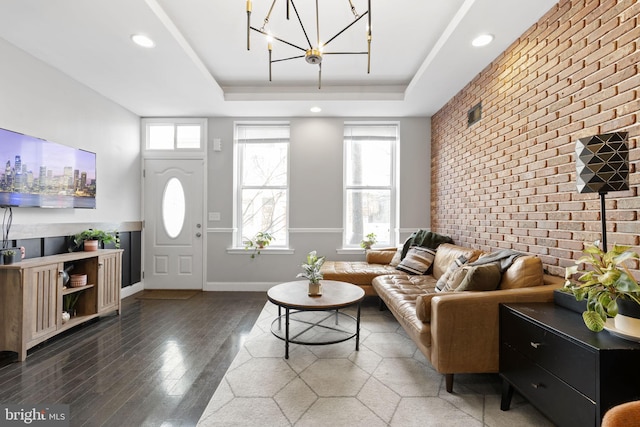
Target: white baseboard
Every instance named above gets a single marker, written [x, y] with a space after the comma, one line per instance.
[238, 286]
[130, 290]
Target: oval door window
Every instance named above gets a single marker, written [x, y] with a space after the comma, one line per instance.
[173, 207]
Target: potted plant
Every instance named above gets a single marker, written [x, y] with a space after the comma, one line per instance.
[9, 256]
[311, 272]
[261, 240]
[606, 285]
[368, 241]
[89, 239]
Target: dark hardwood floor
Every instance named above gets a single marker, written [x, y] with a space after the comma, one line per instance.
[157, 364]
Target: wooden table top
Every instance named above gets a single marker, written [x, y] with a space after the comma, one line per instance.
[334, 295]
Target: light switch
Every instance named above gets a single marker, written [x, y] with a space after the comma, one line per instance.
[217, 144]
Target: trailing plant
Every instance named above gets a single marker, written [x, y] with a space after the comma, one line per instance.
[368, 241]
[77, 240]
[261, 240]
[606, 280]
[311, 270]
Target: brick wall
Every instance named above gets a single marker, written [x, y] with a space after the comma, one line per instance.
[509, 180]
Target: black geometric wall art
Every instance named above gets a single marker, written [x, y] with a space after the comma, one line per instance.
[602, 163]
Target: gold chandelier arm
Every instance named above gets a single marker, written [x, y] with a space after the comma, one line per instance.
[346, 28]
[353, 9]
[318, 27]
[278, 38]
[270, 61]
[249, 7]
[369, 38]
[287, 59]
[301, 24]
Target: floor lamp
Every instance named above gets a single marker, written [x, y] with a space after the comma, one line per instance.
[602, 165]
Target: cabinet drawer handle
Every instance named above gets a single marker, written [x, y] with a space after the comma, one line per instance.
[536, 386]
[535, 344]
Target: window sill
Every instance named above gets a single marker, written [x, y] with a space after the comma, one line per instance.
[265, 251]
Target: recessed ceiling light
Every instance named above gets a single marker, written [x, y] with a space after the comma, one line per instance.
[142, 40]
[315, 109]
[482, 40]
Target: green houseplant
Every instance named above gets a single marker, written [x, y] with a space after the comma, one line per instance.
[261, 240]
[78, 240]
[9, 256]
[605, 283]
[368, 241]
[311, 272]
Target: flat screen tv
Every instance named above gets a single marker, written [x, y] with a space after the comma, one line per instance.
[44, 174]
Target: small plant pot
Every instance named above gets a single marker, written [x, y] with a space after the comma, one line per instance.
[8, 259]
[315, 289]
[90, 245]
[628, 318]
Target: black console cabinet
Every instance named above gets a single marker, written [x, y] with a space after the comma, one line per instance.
[569, 373]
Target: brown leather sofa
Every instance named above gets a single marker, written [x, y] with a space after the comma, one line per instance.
[361, 273]
[458, 331]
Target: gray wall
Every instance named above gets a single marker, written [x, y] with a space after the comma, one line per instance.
[316, 153]
[38, 100]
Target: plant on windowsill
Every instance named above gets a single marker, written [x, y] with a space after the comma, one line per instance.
[368, 241]
[85, 239]
[261, 240]
[311, 271]
[607, 285]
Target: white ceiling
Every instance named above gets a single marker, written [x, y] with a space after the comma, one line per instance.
[421, 52]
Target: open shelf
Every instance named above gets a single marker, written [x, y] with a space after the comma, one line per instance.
[70, 290]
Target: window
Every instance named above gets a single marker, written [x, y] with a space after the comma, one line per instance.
[174, 134]
[262, 174]
[370, 182]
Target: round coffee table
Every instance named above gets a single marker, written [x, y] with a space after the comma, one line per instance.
[310, 328]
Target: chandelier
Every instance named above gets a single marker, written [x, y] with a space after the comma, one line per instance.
[313, 53]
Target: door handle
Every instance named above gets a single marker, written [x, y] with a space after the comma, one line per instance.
[198, 234]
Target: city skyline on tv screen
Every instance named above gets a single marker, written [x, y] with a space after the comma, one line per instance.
[38, 173]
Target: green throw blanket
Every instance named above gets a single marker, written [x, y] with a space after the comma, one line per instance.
[425, 239]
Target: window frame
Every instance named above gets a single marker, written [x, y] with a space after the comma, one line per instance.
[393, 186]
[238, 150]
[147, 123]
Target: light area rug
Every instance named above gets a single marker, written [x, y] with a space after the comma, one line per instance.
[388, 382]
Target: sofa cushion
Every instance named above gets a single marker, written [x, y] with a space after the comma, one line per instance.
[400, 292]
[356, 272]
[524, 272]
[417, 261]
[380, 257]
[445, 278]
[447, 253]
[484, 277]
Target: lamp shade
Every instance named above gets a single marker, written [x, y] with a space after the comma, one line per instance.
[602, 163]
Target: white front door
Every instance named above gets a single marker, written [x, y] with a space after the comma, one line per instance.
[173, 218]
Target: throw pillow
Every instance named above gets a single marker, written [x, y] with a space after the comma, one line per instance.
[484, 277]
[457, 263]
[417, 261]
[397, 257]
